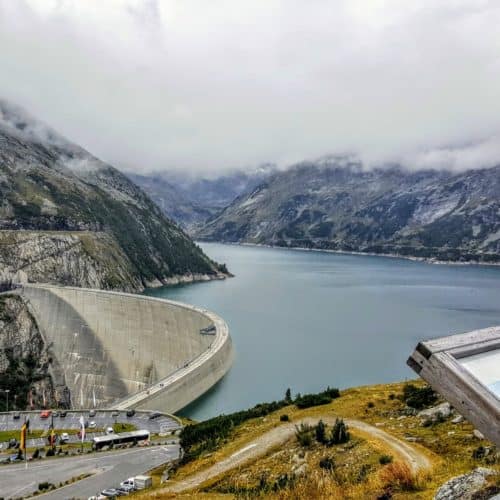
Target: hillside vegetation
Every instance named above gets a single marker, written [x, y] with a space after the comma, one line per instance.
[50, 184]
[361, 465]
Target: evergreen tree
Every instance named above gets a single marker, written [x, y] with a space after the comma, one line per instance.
[321, 432]
[339, 433]
[288, 396]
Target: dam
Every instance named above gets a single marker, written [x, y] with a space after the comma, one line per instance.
[118, 350]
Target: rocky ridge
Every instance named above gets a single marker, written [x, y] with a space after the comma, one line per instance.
[336, 204]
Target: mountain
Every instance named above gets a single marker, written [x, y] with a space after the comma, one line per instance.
[190, 200]
[336, 204]
[68, 217]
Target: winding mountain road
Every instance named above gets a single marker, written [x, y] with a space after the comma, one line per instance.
[279, 435]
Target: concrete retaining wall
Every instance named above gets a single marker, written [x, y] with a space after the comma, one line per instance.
[129, 351]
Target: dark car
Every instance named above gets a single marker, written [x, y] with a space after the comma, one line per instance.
[16, 415]
[92, 413]
[154, 415]
[130, 413]
[62, 414]
[116, 413]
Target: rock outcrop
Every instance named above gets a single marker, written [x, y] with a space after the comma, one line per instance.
[466, 486]
[25, 361]
[84, 259]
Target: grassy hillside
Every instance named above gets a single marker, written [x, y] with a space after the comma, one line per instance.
[364, 467]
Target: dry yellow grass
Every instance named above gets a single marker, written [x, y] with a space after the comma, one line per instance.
[448, 446]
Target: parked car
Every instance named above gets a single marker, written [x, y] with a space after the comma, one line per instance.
[128, 483]
[92, 425]
[63, 413]
[64, 438]
[55, 414]
[16, 415]
[154, 415]
[92, 413]
[110, 430]
[45, 414]
[130, 413]
[110, 492]
[125, 490]
[116, 413]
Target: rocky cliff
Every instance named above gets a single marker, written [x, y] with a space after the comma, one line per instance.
[80, 258]
[337, 204]
[25, 362]
[48, 184]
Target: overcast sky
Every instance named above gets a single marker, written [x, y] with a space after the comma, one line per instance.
[208, 85]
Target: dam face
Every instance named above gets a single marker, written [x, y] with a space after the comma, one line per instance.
[129, 351]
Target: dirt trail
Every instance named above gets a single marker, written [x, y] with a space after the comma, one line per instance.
[279, 435]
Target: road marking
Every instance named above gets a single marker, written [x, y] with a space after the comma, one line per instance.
[30, 485]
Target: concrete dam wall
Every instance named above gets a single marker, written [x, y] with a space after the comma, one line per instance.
[129, 351]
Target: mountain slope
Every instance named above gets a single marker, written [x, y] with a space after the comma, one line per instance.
[338, 205]
[190, 200]
[50, 184]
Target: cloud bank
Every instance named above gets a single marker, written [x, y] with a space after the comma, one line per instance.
[206, 86]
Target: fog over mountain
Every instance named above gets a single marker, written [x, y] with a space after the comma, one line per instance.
[212, 86]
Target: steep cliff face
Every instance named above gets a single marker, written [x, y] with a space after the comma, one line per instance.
[48, 183]
[24, 359]
[80, 258]
[338, 205]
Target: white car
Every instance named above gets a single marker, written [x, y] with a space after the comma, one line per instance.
[64, 438]
[110, 430]
[128, 483]
[92, 425]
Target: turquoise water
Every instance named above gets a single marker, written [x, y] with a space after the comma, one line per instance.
[306, 320]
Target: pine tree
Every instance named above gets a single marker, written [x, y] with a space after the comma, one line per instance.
[321, 432]
[339, 433]
[288, 396]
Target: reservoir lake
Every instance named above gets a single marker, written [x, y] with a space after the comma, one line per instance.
[306, 320]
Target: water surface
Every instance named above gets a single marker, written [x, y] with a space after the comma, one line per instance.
[306, 320]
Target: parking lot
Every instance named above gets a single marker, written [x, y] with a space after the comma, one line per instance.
[162, 424]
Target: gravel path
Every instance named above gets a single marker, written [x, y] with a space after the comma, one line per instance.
[279, 435]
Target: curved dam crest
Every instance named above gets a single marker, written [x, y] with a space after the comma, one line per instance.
[119, 350]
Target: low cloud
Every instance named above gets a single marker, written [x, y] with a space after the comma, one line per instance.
[206, 86]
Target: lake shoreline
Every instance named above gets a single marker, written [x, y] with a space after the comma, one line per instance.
[426, 260]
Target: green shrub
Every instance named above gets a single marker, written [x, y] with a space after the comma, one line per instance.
[418, 397]
[322, 398]
[385, 459]
[327, 463]
[479, 453]
[284, 418]
[304, 434]
[45, 486]
[339, 434]
[320, 431]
